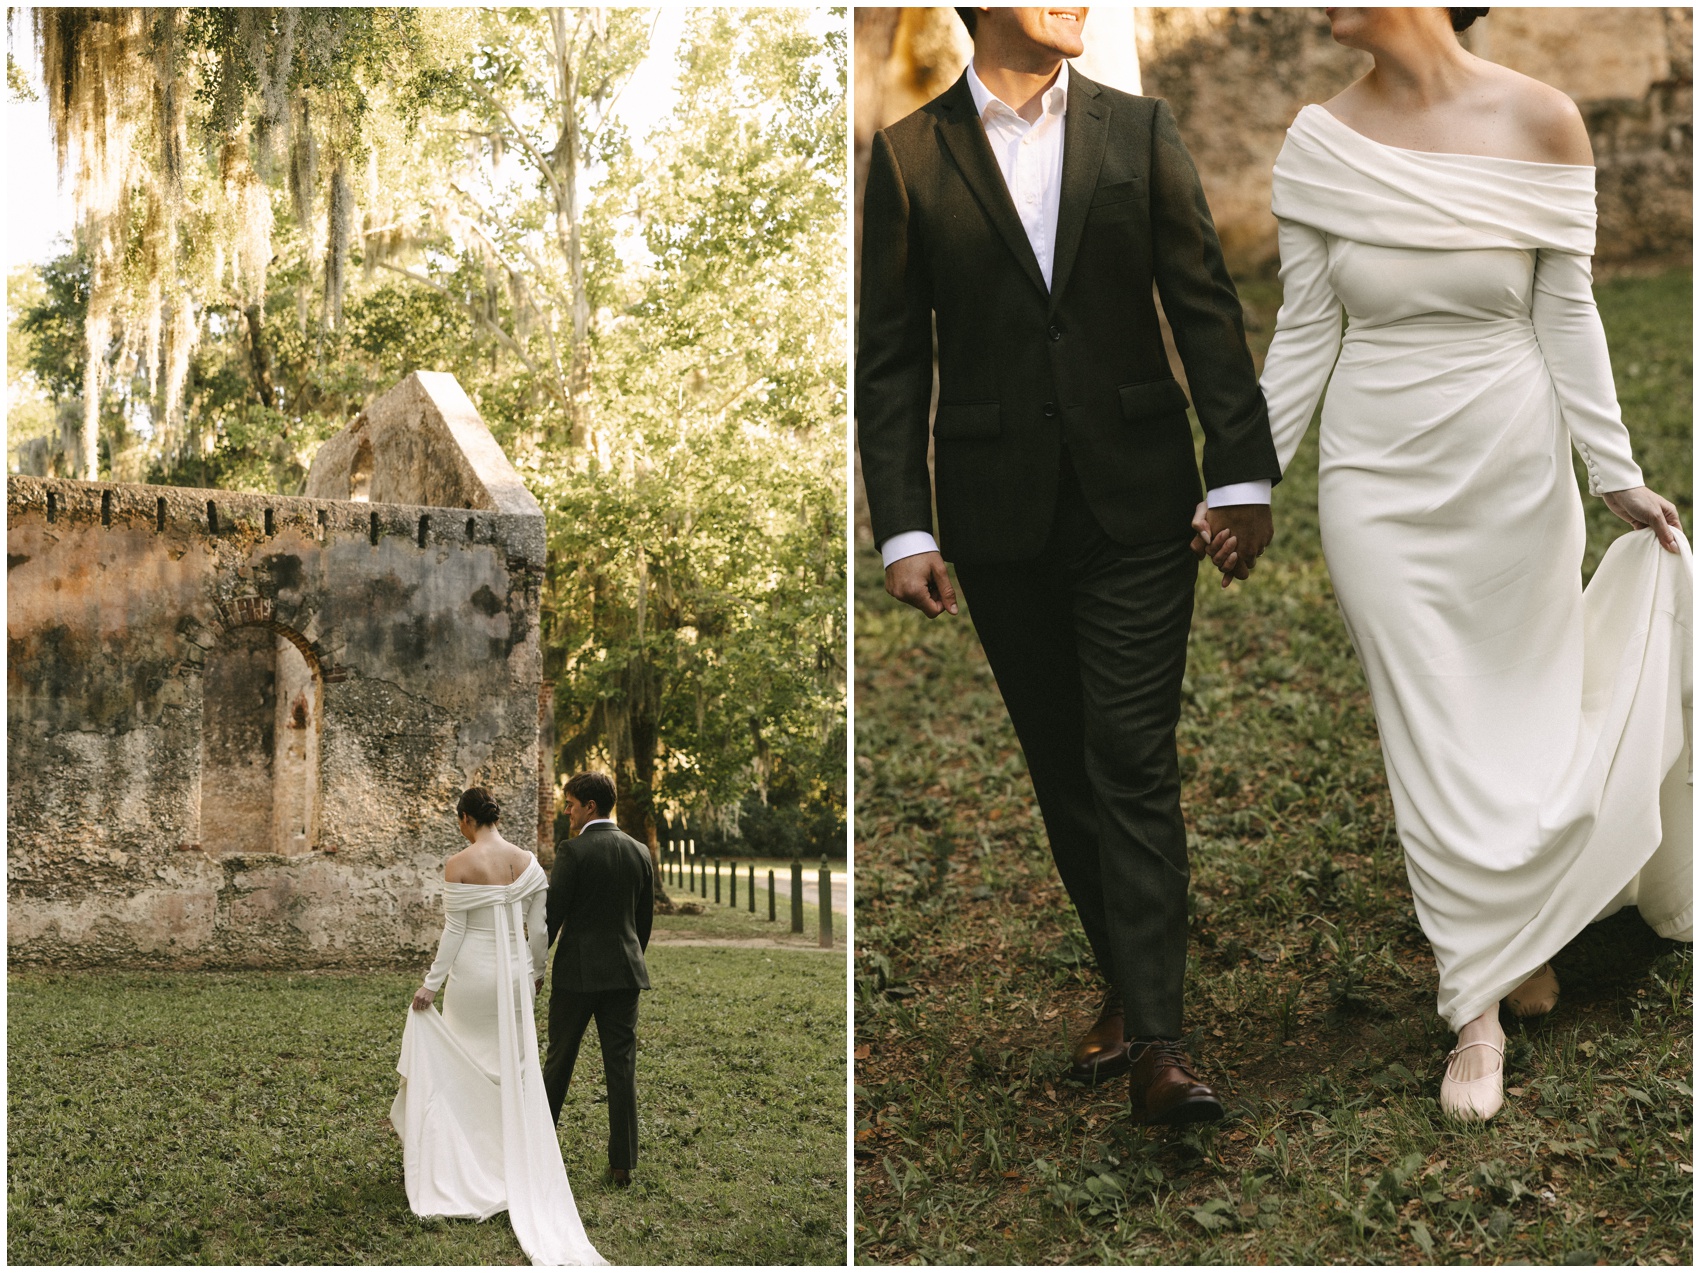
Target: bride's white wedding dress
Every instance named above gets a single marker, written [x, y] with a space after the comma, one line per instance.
[472, 1115]
[1536, 737]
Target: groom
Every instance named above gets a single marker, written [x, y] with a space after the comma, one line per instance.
[601, 903]
[1022, 218]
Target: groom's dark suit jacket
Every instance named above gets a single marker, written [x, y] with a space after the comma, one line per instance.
[1022, 369]
[602, 903]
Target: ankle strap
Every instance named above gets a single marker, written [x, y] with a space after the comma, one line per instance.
[1479, 1043]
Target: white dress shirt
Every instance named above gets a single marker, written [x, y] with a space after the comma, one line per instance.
[1030, 157]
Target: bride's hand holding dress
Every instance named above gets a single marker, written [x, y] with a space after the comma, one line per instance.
[1643, 508]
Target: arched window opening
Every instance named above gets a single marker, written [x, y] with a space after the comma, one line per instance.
[261, 710]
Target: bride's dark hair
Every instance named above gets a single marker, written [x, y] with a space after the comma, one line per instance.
[480, 806]
[1461, 18]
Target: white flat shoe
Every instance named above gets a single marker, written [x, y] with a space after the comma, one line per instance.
[1473, 1100]
[1537, 996]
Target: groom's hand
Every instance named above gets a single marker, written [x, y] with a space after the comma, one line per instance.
[1238, 535]
[923, 582]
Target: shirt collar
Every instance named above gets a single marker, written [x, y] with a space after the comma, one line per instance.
[1054, 101]
[594, 821]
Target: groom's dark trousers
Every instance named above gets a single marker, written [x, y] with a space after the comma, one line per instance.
[601, 905]
[1064, 469]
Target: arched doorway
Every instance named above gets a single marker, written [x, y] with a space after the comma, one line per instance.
[260, 717]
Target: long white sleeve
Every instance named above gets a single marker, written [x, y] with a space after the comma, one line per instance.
[1573, 343]
[537, 930]
[448, 946]
[1307, 338]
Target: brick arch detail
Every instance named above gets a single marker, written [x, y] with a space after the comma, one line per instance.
[261, 612]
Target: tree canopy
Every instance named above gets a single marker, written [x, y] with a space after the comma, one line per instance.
[283, 211]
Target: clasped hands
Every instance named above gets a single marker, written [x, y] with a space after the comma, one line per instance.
[1233, 536]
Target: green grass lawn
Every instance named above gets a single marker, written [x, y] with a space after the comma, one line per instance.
[241, 1118]
[1310, 991]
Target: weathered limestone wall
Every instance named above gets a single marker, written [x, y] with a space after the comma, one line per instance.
[237, 724]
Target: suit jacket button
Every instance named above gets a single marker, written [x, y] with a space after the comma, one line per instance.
[1050, 410]
[1056, 333]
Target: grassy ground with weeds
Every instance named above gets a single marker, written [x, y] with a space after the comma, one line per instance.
[240, 1118]
[1311, 989]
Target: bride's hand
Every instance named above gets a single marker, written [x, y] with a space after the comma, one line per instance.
[1640, 507]
[422, 998]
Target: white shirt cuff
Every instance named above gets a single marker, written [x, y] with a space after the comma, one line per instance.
[1238, 493]
[909, 543]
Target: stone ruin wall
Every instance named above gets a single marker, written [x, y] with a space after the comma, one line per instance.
[237, 724]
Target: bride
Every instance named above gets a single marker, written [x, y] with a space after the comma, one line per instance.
[472, 1113]
[1536, 738]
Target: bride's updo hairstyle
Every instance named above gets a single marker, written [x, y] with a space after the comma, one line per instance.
[479, 805]
[1461, 18]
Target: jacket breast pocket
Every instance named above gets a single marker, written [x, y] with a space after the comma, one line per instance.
[967, 420]
[1118, 192]
[1153, 398]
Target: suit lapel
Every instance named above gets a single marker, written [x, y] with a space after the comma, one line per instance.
[965, 138]
[1086, 128]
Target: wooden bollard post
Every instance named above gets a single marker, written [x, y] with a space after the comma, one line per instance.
[772, 914]
[732, 901]
[825, 904]
[752, 888]
[796, 895]
[717, 881]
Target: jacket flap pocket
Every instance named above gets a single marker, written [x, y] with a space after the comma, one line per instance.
[1118, 192]
[968, 420]
[1155, 397]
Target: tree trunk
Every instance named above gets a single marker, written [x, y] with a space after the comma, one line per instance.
[565, 160]
[259, 357]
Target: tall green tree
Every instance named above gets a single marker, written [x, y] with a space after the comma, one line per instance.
[703, 643]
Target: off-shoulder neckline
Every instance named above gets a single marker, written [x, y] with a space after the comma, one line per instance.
[516, 879]
[1440, 154]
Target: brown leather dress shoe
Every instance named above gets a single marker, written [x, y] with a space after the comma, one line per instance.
[621, 1176]
[1102, 1054]
[1166, 1089]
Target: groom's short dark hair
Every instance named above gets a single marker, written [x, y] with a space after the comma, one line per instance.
[593, 788]
[969, 17]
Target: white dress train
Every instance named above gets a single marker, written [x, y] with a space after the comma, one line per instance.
[1537, 737]
[471, 1112]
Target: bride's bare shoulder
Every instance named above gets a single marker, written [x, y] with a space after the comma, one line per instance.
[1346, 104]
[1548, 126]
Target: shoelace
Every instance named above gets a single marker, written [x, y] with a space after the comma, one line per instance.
[1167, 1052]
